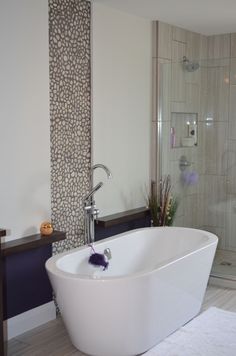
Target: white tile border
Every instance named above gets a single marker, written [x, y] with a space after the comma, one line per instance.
[21, 323]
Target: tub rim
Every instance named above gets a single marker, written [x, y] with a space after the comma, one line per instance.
[51, 263]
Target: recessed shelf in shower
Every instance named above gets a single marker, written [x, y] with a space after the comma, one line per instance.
[183, 131]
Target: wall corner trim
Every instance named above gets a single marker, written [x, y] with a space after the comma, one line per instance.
[29, 320]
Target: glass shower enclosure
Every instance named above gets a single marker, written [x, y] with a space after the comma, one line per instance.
[196, 145]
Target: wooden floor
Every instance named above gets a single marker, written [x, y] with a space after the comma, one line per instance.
[51, 339]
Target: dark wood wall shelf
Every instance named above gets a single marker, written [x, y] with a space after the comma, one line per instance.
[30, 242]
[2, 232]
[30, 281]
[125, 216]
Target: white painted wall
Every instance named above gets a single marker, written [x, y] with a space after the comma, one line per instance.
[24, 116]
[121, 79]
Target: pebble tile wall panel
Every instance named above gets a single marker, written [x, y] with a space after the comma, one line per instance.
[70, 115]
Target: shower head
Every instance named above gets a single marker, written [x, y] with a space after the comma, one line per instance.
[190, 66]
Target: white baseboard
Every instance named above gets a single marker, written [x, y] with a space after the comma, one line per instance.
[222, 282]
[21, 323]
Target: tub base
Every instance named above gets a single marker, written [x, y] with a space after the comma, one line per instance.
[155, 283]
[130, 317]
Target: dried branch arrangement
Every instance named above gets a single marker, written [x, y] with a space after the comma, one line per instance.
[162, 204]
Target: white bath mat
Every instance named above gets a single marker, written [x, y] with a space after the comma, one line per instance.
[212, 333]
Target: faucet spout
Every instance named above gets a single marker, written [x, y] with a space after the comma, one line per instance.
[102, 166]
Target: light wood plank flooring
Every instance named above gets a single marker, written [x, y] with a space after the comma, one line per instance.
[51, 339]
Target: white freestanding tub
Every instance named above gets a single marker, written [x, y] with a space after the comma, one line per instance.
[155, 283]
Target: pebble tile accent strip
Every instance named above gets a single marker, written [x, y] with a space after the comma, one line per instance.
[70, 115]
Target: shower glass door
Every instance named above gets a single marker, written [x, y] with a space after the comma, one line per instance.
[196, 145]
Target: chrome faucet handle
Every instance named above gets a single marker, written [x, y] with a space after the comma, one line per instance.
[95, 189]
[184, 163]
[95, 213]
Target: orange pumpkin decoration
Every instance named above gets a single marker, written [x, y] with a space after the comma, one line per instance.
[46, 228]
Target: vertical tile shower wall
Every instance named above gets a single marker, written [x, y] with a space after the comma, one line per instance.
[211, 93]
[70, 115]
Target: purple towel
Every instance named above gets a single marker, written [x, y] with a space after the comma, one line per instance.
[189, 177]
